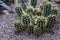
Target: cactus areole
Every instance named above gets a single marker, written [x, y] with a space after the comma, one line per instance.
[36, 20]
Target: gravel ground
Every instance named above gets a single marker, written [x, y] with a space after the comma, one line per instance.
[7, 29]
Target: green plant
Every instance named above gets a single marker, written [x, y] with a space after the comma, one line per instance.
[54, 10]
[37, 31]
[51, 21]
[37, 20]
[46, 8]
[37, 11]
[24, 4]
[41, 22]
[19, 10]
[26, 20]
[34, 3]
[30, 28]
[29, 10]
[18, 26]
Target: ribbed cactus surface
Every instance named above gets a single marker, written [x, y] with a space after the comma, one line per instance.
[19, 10]
[51, 21]
[34, 3]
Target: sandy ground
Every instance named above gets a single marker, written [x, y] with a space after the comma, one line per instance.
[7, 29]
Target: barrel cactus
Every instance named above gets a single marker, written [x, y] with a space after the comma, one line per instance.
[54, 10]
[30, 28]
[46, 8]
[37, 11]
[34, 3]
[29, 9]
[19, 10]
[18, 26]
[51, 21]
[26, 20]
[41, 22]
[37, 30]
[24, 4]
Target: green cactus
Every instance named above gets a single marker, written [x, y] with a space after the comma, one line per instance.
[37, 31]
[41, 23]
[30, 28]
[18, 26]
[29, 9]
[54, 10]
[36, 20]
[33, 3]
[46, 8]
[37, 11]
[26, 20]
[24, 4]
[19, 10]
[51, 21]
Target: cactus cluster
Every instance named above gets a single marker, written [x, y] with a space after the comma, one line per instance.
[36, 20]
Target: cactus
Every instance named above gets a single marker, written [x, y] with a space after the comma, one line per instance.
[26, 20]
[51, 21]
[54, 10]
[18, 26]
[47, 9]
[37, 31]
[30, 28]
[24, 4]
[37, 11]
[33, 3]
[36, 20]
[41, 23]
[29, 9]
[19, 10]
